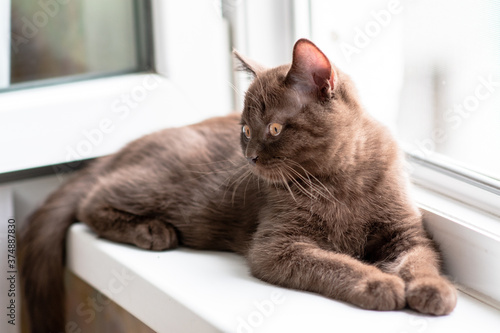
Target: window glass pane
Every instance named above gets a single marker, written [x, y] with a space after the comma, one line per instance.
[59, 38]
[450, 101]
[429, 69]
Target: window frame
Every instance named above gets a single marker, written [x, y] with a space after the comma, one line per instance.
[143, 34]
[40, 144]
[462, 185]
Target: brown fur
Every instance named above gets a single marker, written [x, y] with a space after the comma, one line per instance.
[322, 206]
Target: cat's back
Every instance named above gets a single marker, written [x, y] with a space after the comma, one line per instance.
[212, 140]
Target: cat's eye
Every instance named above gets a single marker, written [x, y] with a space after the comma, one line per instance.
[275, 129]
[246, 131]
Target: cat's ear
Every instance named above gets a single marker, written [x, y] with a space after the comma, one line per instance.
[248, 65]
[311, 70]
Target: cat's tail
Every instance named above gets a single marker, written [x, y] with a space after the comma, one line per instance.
[42, 253]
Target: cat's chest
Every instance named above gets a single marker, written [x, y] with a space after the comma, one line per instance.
[337, 227]
[333, 225]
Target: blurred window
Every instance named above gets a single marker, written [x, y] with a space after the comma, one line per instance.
[53, 40]
[429, 69]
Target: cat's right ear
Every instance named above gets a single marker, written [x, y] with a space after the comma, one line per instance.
[247, 65]
[311, 70]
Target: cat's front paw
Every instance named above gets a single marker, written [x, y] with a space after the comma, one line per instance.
[431, 295]
[155, 235]
[382, 292]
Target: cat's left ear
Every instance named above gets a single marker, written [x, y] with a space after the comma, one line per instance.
[248, 65]
[311, 70]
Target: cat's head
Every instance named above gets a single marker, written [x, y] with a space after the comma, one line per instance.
[294, 115]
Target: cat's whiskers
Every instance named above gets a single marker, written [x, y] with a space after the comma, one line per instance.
[235, 89]
[312, 185]
[272, 181]
[301, 188]
[315, 184]
[232, 173]
[245, 190]
[285, 182]
[310, 175]
[237, 184]
[295, 173]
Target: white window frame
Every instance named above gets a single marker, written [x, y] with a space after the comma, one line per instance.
[461, 184]
[45, 126]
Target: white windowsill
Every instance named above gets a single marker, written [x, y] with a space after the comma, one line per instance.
[198, 291]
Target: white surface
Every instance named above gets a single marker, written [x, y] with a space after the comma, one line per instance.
[197, 291]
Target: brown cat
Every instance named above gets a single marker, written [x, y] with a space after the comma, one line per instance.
[305, 184]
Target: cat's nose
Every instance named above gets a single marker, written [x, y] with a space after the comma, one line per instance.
[252, 159]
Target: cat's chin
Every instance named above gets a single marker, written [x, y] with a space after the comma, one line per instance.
[270, 173]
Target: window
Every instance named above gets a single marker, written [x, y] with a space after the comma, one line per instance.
[77, 39]
[132, 67]
[427, 73]
[441, 71]
[455, 64]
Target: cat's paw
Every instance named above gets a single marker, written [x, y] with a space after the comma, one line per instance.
[382, 292]
[155, 235]
[431, 295]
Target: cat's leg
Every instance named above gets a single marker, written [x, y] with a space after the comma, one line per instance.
[415, 259]
[300, 264]
[145, 232]
[124, 208]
